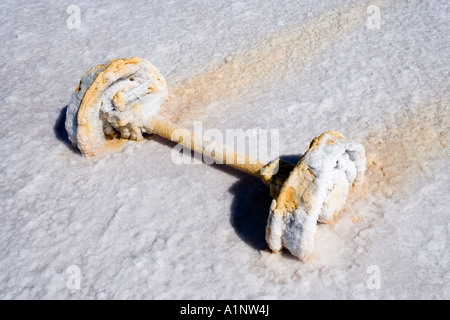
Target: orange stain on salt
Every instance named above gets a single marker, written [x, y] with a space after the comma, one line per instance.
[250, 71]
[401, 151]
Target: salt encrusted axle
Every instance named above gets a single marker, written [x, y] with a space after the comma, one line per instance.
[122, 98]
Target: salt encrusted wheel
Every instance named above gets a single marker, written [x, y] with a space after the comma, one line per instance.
[116, 99]
[315, 190]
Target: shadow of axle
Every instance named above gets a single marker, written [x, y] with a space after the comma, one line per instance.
[250, 208]
[251, 201]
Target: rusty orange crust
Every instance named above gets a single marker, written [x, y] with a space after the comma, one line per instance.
[292, 196]
[315, 142]
[115, 143]
[117, 68]
[119, 101]
[93, 69]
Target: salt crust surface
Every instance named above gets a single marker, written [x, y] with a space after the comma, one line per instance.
[138, 226]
